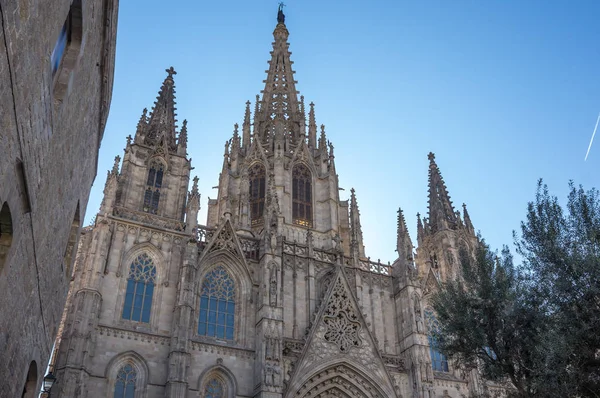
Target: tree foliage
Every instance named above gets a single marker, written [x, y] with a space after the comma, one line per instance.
[536, 325]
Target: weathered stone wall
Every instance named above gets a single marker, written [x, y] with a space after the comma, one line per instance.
[53, 128]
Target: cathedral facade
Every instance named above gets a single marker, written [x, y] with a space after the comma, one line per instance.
[272, 297]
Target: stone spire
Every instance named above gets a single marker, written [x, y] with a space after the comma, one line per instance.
[192, 208]
[404, 245]
[420, 230]
[323, 141]
[279, 105]
[142, 126]
[467, 219]
[246, 128]
[182, 140]
[312, 127]
[235, 141]
[161, 126]
[356, 242]
[110, 188]
[441, 212]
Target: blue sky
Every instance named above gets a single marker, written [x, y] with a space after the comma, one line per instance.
[503, 92]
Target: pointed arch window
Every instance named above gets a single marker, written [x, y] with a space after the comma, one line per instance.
[439, 362]
[217, 305]
[256, 174]
[301, 196]
[125, 384]
[214, 389]
[153, 185]
[6, 233]
[140, 289]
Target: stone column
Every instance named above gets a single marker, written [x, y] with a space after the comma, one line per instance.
[183, 315]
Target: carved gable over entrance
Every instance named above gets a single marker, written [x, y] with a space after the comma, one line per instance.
[340, 352]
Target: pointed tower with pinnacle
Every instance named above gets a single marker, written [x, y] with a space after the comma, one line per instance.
[274, 295]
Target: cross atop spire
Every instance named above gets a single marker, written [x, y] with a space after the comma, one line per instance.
[280, 14]
[441, 211]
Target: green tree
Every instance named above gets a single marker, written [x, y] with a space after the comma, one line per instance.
[536, 325]
[561, 252]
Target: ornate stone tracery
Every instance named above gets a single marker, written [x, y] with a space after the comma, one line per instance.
[341, 320]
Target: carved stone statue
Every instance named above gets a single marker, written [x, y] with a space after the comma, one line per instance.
[273, 286]
[338, 243]
[280, 15]
[272, 375]
[418, 314]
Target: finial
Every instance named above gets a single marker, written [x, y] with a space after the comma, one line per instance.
[171, 71]
[129, 138]
[280, 14]
[115, 168]
[195, 185]
[235, 129]
[226, 148]
[431, 156]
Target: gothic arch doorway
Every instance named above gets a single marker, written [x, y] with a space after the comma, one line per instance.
[338, 381]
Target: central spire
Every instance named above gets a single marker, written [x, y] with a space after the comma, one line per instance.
[280, 116]
[161, 126]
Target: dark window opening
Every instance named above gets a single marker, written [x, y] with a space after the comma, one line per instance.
[256, 175]
[6, 233]
[29, 389]
[65, 51]
[301, 196]
[153, 185]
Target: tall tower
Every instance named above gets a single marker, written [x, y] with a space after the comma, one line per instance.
[126, 262]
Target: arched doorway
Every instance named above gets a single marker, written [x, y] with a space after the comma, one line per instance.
[30, 386]
[338, 381]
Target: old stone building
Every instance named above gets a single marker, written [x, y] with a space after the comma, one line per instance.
[274, 296]
[56, 76]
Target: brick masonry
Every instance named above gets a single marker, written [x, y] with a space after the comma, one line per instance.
[51, 128]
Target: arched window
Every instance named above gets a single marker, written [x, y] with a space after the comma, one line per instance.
[256, 174]
[217, 305]
[439, 362]
[214, 389]
[65, 52]
[153, 185]
[301, 196]
[125, 383]
[6, 233]
[29, 389]
[140, 288]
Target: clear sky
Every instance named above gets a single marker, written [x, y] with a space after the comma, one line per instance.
[503, 92]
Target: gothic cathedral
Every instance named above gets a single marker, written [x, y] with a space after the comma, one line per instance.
[274, 296]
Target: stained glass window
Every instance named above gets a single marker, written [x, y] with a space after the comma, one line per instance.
[153, 185]
[125, 384]
[256, 174]
[140, 288]
[301, 196]
[214, 389]
[217, 305]
[439, 362]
